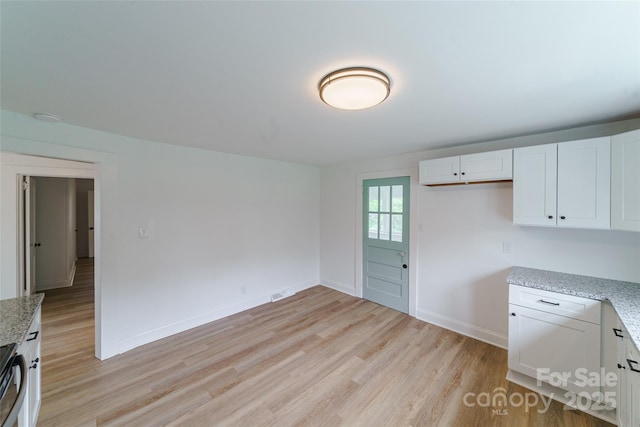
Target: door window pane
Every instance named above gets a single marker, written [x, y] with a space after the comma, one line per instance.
[384, 226]
[373, 226]
[385, 196]
[396, 228]
[373, 200]
[396, 198]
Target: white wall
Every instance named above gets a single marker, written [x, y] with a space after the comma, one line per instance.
[219, 224]
[55, 225]
[461, 265]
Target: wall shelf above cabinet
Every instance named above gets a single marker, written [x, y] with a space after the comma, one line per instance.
[493, 166]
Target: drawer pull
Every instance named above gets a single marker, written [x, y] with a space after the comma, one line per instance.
[35, 335]
[632, 365]
[618, 332]
[548, 302]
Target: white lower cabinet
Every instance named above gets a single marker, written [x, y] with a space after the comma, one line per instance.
[553, 348]
[30, 349]
[628, 379]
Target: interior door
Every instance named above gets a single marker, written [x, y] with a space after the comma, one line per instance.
[30, 234]
[90, 214]
[386, 242]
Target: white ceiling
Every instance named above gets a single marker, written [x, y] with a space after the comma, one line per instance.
[242, 77]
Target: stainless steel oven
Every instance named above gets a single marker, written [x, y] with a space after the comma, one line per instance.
[13, 384]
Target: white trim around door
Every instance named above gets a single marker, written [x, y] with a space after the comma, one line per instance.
[15, 166]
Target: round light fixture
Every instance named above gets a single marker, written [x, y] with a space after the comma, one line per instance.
[354, 88]
[48, 117]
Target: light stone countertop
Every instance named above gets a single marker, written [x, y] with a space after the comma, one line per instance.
[16, 316]
[624, 296]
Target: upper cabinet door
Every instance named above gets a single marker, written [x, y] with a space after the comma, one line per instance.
[438, 171]
[625, 181]
[490, 166]
[534, 185]
[584, 177]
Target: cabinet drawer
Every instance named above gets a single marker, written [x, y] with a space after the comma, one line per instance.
[555, 303]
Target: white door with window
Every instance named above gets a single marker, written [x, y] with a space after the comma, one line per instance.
[386, 242]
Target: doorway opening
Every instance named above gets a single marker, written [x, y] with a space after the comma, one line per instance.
[19, 247]
[58, 225]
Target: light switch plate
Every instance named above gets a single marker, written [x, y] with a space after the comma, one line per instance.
[143, 232]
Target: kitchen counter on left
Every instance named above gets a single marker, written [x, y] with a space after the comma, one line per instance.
[16, 316]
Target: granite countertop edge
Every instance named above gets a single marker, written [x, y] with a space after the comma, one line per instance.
[16, 317]
[623, 296]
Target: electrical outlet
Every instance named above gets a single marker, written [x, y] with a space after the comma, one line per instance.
[506, 247]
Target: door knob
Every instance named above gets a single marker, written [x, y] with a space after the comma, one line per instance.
[37, 244]
[404, 265]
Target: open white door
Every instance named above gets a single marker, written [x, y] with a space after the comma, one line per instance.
[90, 221]
[27, 230]
[30, 235]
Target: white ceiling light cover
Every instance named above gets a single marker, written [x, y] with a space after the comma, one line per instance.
[354, 88]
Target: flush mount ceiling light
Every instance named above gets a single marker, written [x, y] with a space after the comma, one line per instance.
[354, 88]
[48, 117]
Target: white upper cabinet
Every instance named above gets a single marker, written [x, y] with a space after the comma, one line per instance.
[490, 166]
[535, 185]
[625, 181]
[438, 171]
[564, 185]
[584, 183]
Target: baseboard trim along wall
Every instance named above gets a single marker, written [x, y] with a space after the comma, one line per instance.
[346, 289]
[467, 329]
[203, 319]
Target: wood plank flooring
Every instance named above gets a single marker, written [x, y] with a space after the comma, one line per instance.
[318, 358]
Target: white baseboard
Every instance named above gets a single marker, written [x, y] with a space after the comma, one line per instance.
[72, 274]
[467, 329]
[346, 289]
[193, 322]
[184, 325]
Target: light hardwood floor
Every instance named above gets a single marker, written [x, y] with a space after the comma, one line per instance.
[317, 358]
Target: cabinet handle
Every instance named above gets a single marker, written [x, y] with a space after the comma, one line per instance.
[563, 217]
[462, 173]
[34, 366]
[35, 335]
[548, 302]
[618, 332]
[455, 174]
[513, 314]
[550, 217]
[621, 367]
[631, 365]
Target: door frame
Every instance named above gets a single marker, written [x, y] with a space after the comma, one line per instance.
[412, 173]
[15, 165]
